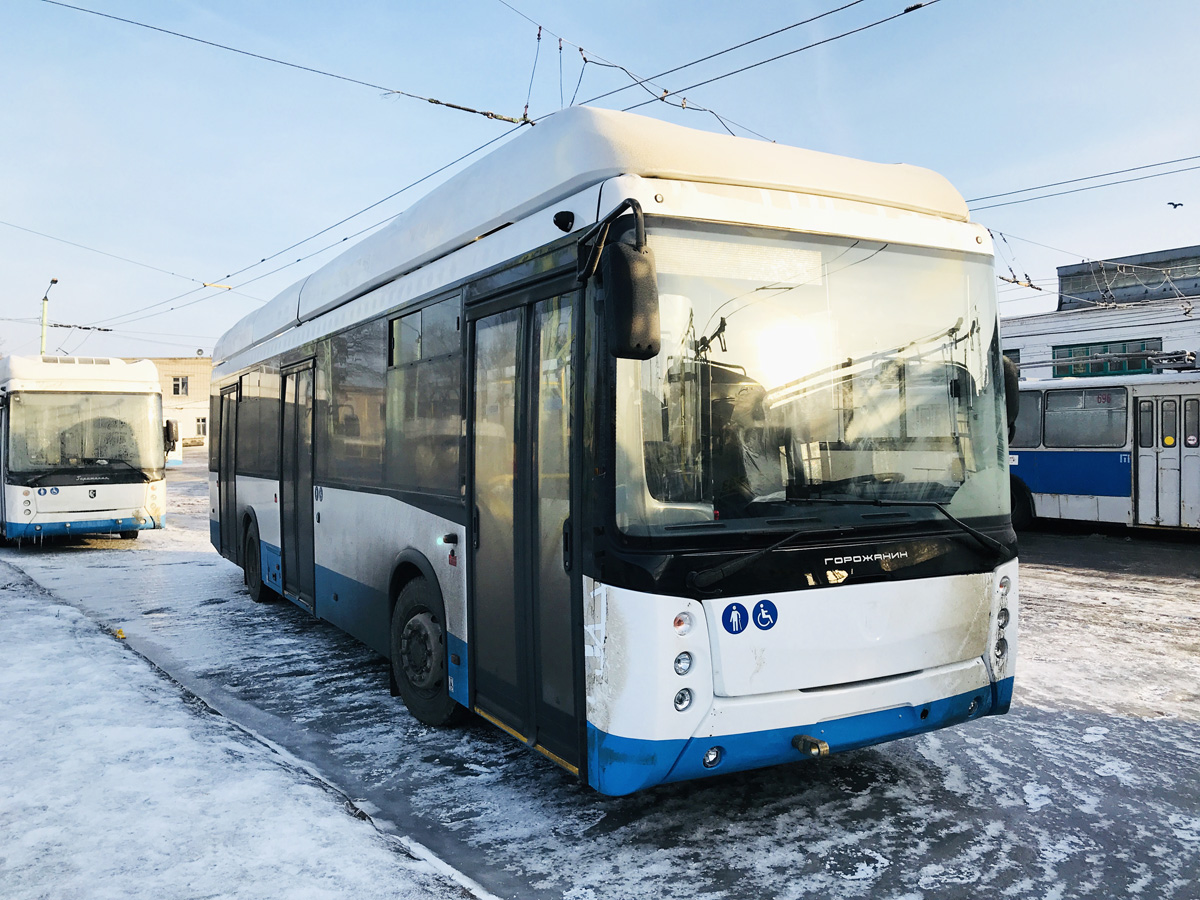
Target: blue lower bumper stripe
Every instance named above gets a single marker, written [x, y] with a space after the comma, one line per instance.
[620, 765]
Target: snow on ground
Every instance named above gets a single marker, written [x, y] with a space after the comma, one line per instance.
[114, 783]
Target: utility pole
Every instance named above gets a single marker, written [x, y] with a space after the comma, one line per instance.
[45, 305]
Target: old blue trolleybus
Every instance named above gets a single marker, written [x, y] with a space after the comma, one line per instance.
[1123, 449]
[669, 453]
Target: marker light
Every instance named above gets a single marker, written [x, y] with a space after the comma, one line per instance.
[1002, 616]
[712, 757]
[683, 663]
[683, 622]
[683, 699]
[1005, 584]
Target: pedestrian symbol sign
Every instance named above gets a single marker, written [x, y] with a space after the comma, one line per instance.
[735, 618]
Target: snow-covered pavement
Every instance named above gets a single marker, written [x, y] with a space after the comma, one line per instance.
[114, 782]
[1089, 788]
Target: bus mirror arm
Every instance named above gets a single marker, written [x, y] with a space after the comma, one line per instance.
[629, 278]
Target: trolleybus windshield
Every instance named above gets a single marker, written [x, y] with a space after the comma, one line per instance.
[799, 368]
[119, 435]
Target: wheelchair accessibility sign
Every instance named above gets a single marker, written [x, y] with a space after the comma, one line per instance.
[736, 619]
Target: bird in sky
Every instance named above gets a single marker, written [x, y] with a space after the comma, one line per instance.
[1174, 205]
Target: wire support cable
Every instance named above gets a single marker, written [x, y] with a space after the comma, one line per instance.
[487, 114]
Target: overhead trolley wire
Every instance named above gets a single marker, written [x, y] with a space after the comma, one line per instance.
[234, 274]
[1091, 187]
[280, 62]
[702, 59]
[837, 37]
[1040, 187]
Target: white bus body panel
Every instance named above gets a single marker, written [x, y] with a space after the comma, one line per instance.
[630, 644]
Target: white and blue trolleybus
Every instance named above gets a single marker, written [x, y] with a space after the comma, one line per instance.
[669, 453]
[1120, 449]
[81, 447]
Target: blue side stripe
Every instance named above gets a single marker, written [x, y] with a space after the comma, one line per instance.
[1096, 473]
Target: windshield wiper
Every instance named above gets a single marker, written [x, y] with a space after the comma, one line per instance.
[708, 577]
[987, 541]
[106, 461]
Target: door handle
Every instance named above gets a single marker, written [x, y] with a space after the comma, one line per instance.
[566, 544]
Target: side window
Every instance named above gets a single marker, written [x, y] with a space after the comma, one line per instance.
[355, 409]
[258, 425]
[1096, 417]
[1029, 420]
[1146, 423]
[424, 399]
[1191, 423]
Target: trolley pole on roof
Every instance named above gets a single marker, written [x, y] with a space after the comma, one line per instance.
[45, 305]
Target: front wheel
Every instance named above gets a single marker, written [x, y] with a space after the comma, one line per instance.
[130, 535]
[1022, 507]
[418, 645]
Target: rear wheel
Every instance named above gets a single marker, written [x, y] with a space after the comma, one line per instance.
[252, 568]
[419, 656]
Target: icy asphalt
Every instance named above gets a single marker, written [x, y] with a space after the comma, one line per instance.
[1090, 787]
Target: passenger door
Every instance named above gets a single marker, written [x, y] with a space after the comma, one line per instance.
[1158, 461]
[1189, 464]
[525, 636]
[227, 474]
[296, 482]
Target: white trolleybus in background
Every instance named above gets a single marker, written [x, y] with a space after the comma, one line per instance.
[669, 453]
[1121, 449]
[81, 447]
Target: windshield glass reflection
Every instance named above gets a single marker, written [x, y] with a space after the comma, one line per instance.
[797, 368]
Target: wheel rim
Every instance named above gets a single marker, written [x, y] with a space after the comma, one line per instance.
[421, 651]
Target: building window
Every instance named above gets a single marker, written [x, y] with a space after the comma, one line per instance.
[179, 386]
[1114, 358]
[202, 426]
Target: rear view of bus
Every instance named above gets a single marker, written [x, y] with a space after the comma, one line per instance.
[81, 447]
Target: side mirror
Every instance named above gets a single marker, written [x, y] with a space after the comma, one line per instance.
[630, 281]
[1012, 395]
[171, 433]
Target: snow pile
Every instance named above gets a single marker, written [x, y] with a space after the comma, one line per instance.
[114, 784]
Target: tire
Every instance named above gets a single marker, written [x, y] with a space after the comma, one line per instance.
[419, 656]
[1022, 507]
[252, 568]
[130, 535]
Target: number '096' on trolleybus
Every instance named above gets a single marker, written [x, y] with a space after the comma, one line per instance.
[669, 453]
[81, 447]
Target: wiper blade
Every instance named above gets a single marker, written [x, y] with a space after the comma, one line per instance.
[987, 541]
[708, 577]
[106, 461]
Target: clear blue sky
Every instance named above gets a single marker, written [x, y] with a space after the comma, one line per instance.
[199, 162]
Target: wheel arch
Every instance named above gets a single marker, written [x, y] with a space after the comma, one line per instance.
[408, 565]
